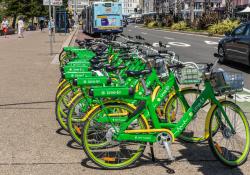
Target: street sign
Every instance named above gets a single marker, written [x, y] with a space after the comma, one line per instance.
[53, 2]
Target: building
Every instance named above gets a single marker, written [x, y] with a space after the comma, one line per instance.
[200, 6]
[78, 4]
[129, 6]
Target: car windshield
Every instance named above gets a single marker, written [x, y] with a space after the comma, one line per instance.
[239, 31]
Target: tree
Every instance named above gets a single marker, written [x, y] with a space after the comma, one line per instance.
[35, 8]
[14, 8]
[27, 8]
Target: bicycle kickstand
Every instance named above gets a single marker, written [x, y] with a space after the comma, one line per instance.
[152, 152]
[167, 147]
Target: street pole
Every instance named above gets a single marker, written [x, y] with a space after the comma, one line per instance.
[50, 36]
[54, 18]
[75, 14]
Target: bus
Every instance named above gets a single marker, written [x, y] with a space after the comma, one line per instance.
[103, 17]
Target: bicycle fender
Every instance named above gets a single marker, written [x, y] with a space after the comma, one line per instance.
[208, 117]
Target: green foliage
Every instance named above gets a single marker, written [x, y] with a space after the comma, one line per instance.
[168, 21]
[152, 24]
[182, 25]
[223, 27]
[26, 8]
[205, 21]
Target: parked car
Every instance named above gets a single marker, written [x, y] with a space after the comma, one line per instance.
[31, 27]
[131, 20]
[138, 20]
[235, 46]
[9, 32]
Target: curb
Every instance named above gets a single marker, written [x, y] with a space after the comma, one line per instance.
[184, 32]
[65, 44]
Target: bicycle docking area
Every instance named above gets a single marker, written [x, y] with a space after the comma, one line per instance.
[118, 98]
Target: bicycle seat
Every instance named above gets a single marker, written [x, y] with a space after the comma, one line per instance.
[88, 39]
[113, 68]
[126, 58]
[137, 73]
[97, 60]
[124, 55]
[97, 66]
[82, 43]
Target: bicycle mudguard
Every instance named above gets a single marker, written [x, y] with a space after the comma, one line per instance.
[92, 81]
[208, 117]
[111, 92]
[71, 75]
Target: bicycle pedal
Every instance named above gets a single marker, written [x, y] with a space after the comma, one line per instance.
[167, 147]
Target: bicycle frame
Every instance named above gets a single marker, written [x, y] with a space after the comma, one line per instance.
[158, 126]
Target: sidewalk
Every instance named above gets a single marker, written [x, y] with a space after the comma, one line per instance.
[25, 67]
[31, 141]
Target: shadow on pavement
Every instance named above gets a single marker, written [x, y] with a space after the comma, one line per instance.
[72, 144]
[238, 66]
[202, 157]
[145, 160]
[198, 155]
[61, 131]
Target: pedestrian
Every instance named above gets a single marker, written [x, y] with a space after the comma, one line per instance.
[41, 23]
[20, 25]
[51, 26]
[4, 26]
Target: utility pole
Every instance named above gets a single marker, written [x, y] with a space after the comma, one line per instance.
[54, 18]
[192, 11]
[50, 35]
[75, 10]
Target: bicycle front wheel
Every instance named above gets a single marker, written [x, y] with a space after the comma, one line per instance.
[230, 146]
[97, 137]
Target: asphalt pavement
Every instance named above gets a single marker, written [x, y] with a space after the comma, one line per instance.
[190, 47]
[196, 48]
[31, 141]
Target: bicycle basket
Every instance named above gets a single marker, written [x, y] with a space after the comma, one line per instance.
[190, 75]
[227, 82]
[161, 69]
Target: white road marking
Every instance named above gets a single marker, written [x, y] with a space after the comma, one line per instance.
[157, 45]
[242, 97]
[168, 38]
[179, 44]
[211, 42]
[143, 33]
[129, 30]
[246, 90]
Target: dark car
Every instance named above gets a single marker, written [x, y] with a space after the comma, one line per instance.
[235, 46]
[31, 27]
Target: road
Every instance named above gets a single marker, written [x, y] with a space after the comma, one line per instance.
[31, 141]
[189, 47]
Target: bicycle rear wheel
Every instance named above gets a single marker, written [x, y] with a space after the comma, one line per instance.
[62, 107]
[231, 148]
[98, 143]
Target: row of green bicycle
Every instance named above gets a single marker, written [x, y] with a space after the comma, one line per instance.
[114, 98]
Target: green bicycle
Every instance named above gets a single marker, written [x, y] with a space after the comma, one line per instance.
[125, 137]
